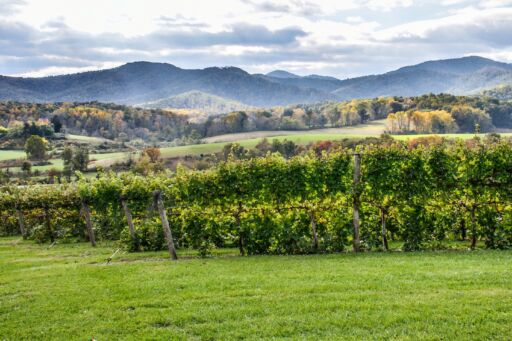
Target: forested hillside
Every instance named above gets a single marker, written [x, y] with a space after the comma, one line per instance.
[424, 114]
[209, 104]
[502, 92]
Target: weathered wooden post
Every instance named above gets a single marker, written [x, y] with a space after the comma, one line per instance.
[239, 227]
[48, 222]
[384, 231]
[87, 215]
[21, 222]
[129, 219]
[313, 229]
[473, 227]
[356, 201]
[157, 196]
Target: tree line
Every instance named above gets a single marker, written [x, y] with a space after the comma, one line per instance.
[423, 114]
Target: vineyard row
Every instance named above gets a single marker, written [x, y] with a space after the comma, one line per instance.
[421, 196]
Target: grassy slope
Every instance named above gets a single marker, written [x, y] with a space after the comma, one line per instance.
[67, 292]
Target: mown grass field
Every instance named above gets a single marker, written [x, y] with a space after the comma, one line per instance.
[59, 164]
[68, 292]
[11, 154]
[88, 139]
[373, 128]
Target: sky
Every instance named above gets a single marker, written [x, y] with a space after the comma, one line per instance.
[327, 37]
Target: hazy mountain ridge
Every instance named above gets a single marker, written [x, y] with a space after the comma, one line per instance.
[456, 76]
[460, 76]
[143, 82]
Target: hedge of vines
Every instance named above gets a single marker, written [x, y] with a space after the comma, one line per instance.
[420, 196]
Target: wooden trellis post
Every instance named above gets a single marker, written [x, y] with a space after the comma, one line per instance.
[384, 231]
[313, 229]
[129, 219]
[87, 214]
[157, 196]
[48, 222]
[21, 222]
[356, 201]
[473, 227]
[239, 227]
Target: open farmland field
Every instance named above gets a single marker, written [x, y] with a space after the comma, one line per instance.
[300, 138]
[248, 140]
[373, 128]
[68, 292]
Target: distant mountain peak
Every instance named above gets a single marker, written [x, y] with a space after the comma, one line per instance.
[145, 64]
[314, 76]
[229, 69]
[281, 74]
[462, 66]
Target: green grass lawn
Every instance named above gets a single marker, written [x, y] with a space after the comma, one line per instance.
[83, 138]
[59, 164]
[12, 154]
[67, 292]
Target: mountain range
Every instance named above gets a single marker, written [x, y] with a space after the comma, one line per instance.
[165, 85]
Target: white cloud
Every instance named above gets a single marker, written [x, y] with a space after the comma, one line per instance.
[489, 26]
[387, 5]
[341, 38]
[502, 55]
[495, 3]
[453, 2]
[354, 20]
[59, 70]
[9, 7]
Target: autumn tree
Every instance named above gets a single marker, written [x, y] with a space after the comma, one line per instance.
[67, 158]
[467, 117]
[234, 150]
[57, 124]
[81, 159]
[26, 167]
[75, 159]
[36, 147]
[153, 153]
[435, 121]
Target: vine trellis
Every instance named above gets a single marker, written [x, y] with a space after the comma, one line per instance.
[411, 193]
